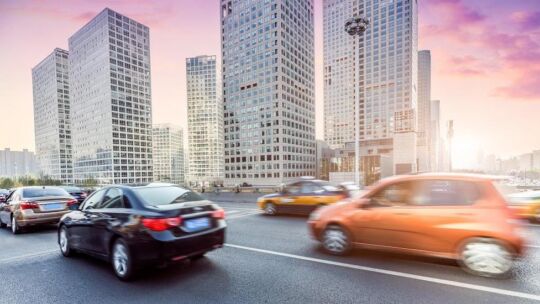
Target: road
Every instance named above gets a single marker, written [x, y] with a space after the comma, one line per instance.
[266, 260]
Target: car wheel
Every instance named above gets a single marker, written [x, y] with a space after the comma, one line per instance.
[2, 224]
[15, 229]
[335, 240]
[270, 209]
[63, 242]
[486, 257]
[122, 261]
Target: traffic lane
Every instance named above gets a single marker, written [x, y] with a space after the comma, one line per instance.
[289, 234]
[43, 238]
[33, 240]
[228, 275]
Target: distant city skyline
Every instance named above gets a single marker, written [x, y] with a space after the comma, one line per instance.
[479, 63]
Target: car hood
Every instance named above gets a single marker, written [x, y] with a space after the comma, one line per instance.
[271, 195]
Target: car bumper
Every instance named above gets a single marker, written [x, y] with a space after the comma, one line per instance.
[155, 251]
[36, 218]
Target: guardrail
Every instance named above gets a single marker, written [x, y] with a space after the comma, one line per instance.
[251, 189]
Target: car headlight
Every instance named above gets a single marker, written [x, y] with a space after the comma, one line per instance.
[260, 200]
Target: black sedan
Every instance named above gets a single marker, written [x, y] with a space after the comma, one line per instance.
[77, 193]
[137, 226]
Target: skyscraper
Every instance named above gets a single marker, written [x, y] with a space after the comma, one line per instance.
[268, 90]
[205, 121]
[339, 64]
[388, 79]
[168, 153]
[424, 111]
[52, 131]
[111, 100]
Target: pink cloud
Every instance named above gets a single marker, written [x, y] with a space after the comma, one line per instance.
[506, 52]
[527, 20]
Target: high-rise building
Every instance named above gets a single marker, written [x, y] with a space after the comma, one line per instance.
[339, 64]
[268, 90]
[17, 163]
[111, 100]
[205, 121]
[388, 78]
[52, 131]
[424, 111]
[168, 153]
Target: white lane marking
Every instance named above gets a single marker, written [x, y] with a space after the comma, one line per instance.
[244, 214]
[533, 246]
[28, 256]
[396, 273]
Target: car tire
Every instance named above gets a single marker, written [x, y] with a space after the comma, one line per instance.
[270, 209]
[2, 224]
[15, 229]
[63, 242]
[486, 257]
[122, 261]
[336, 240]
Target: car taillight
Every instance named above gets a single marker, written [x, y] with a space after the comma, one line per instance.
[71, 202]
[218, 214]
[161, 224]
[28, 205]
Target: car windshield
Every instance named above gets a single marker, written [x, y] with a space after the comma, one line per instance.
[39, 192]
[155, 196]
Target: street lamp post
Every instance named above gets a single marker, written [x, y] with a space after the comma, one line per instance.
[356, 26]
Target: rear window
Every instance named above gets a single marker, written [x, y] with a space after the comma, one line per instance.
[155, 196]
[39, 192]
[72, 189]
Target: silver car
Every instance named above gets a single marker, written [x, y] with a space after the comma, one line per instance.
[28, 206]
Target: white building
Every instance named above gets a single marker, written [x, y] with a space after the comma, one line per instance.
[205, 121]
[15, 164]
[424, 111]
[52, 131]
[111, 100]
[388, 81]
[168, 153]
[268, 90]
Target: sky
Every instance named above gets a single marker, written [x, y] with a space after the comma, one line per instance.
[485, 63]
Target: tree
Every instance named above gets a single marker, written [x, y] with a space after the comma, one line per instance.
[90, 182]
[6, 183]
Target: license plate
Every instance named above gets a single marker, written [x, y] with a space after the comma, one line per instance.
[52, 207]
[197, 224]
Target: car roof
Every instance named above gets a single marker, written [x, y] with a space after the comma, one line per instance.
[444, 175]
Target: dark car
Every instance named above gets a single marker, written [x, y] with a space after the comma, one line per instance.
[28, 206]
[77, 193]
[3, 195]
[136, 226]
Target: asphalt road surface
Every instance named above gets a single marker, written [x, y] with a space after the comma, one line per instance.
[266, 260]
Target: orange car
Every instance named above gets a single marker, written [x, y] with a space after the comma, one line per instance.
[455, 216]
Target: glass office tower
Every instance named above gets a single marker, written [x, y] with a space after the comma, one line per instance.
[111, 100]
